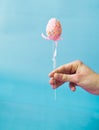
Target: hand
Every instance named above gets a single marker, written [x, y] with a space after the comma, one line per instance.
[77, 74]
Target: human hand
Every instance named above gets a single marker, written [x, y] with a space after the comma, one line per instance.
[77, 74]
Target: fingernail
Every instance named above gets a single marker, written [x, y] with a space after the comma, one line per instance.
[50, 75]
[54, 86]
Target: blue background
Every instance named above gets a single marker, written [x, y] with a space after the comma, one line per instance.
[26, 98]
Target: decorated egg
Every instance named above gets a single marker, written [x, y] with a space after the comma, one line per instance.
[53, 29]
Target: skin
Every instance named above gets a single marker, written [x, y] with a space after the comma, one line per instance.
[77, 74]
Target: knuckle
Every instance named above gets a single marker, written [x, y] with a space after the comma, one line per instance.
[64, 78]
[79, 62]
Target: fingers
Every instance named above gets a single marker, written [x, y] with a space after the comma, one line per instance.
[72, 86]
[59, 79]
[65, 73]
[55, 83]
[64, 77]
[69, 68]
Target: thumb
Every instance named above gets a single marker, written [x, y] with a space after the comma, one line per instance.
[64, 77]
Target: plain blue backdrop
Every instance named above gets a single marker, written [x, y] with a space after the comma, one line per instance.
[26, 98]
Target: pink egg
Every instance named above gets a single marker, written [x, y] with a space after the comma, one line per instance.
[53, 29]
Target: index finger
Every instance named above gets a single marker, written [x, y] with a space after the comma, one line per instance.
[60, 69]
[69, 68]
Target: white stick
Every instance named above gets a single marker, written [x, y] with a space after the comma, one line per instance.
[54, 62]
